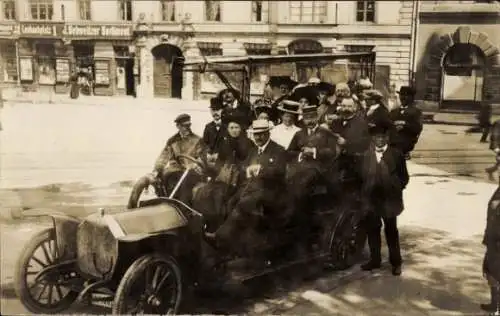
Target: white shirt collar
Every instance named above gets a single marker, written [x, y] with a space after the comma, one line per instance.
[263, 147]
[234, 105]
[312, 129]
[382, 150]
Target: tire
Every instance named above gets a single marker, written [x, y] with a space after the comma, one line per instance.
[135, 194]
[348, 241]
[130, 296]
[24, 289]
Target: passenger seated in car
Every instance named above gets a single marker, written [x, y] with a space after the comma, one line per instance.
[260, 198]
[312, 153]
[169, 166]
[213, 198]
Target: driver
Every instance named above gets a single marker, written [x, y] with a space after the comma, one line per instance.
[169, 165]
[259, 196]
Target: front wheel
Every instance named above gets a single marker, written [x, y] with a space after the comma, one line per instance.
[43, 292]
[151, 285]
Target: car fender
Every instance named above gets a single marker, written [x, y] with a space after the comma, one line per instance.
[65, 227]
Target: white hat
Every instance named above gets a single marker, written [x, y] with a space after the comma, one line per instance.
[365, 83]
[260, 126]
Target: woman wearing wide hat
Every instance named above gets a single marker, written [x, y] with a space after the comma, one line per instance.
[284, 132]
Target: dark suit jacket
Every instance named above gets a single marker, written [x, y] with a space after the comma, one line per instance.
[380, 114]
[355, 132]
[390, 203]
[273, 164]
[213, 137]
[322, 139]
[406, 138]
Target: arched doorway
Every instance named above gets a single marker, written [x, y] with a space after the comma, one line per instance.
[306, 70]
[167, 73]
[462, 76]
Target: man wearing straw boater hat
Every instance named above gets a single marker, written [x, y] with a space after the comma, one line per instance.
[284, 132]
[260, 198]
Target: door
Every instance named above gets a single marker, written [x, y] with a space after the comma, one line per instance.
[167, 82]
[162, 78]
[462, 77]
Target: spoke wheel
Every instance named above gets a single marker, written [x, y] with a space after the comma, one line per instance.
[348, 243]
[151, 285]
[48, 293]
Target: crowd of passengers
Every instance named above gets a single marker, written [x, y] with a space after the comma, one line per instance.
[264, 160]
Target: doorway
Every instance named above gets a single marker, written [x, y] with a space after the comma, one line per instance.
[462, 77]
[167, 73]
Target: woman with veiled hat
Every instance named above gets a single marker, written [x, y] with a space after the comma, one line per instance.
[214, 197]
[284, 132]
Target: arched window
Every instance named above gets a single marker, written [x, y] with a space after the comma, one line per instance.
[461, 59]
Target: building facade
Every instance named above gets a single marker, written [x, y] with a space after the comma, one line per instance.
[129, 46]
[457, 61]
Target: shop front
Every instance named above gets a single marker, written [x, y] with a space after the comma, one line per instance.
[42, 57]
[105, 55]
[8, 55]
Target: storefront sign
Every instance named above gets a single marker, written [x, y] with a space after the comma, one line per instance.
[7, 29]
[101, 72]
[62, 70]
[51, 30]
[26, 68]
[104, 31]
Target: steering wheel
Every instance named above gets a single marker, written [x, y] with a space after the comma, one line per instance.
[197, 162]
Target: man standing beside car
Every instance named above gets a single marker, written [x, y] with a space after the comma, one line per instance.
[384, 177]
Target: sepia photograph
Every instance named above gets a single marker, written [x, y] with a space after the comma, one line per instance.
[250, 157]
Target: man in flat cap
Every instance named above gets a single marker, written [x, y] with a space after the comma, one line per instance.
[259, 199]
[408, 122]
[169, 165]
[384, 176]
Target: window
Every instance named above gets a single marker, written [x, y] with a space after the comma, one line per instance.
[41, 9]
[212, 10]
[168, 10]
[9, 9]
[84, 9]
[365, 11]
[308, 11]
[260, 11]
[9, 67]
[126, 10]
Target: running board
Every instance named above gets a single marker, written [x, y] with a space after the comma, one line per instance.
[243, 276]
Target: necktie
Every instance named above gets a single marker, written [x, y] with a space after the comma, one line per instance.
[379, 149]
[260, 151]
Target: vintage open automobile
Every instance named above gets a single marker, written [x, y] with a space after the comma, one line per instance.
[146, 258]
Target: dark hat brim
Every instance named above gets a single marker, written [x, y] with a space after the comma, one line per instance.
[277, 81]
[309, 93]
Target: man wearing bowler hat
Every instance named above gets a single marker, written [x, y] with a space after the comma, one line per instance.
[384, 177]
[214, 131]
[169, 166]
[408, 122]
[260, 197]
[312, 153]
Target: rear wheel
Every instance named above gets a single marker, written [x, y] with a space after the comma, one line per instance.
[151, 285]
[348, 242]
[43, 293]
